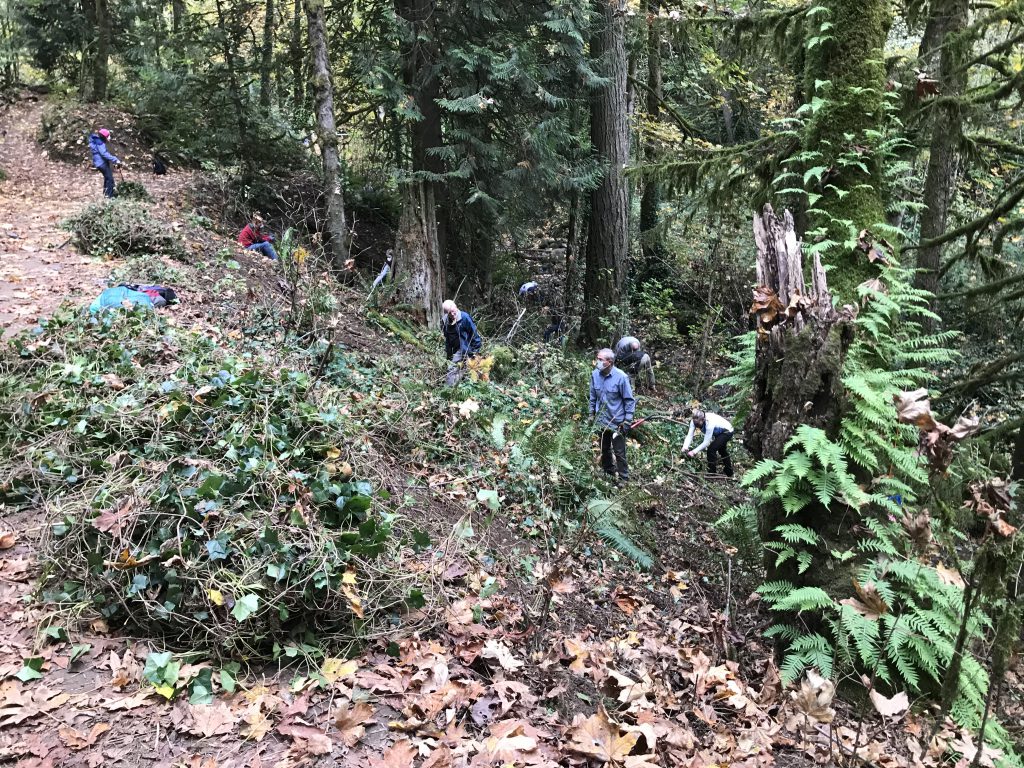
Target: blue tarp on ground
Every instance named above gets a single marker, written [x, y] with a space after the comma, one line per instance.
[114, 298]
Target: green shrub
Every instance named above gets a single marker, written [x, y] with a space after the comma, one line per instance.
[122, 229]
[133, 190]
[195, 497]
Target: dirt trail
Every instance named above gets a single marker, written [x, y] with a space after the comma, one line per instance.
[39, 268]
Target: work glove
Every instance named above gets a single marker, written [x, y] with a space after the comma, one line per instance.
[624, 429]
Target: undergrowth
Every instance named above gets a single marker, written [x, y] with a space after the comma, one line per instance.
[122, 229]
[195, 496]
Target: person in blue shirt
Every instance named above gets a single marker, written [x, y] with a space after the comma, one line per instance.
[102, 160]
[461, 339]
[612, 407]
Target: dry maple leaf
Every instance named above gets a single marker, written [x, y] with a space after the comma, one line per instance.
[20, 704]
[349, 721]
[814, 699]
[307, 740]
[894, 707]
[256, 724]
[497, 650]
[509, 736]
[915, 408]
[78, 740]
[439, 758]
[399, 755]
[211, 719]
[766, 305]
[599, 738]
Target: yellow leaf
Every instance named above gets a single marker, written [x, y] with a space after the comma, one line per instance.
[354, 601]
[349, 577]
[215, 596]
[333, 453]
[167, 691]
[335, 669]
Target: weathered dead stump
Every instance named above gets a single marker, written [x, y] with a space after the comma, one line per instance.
[801, 346]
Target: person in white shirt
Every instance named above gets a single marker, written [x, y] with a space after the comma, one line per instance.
[717, 433]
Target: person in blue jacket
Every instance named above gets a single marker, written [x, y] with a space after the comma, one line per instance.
[461, 339]
[612, 407]
[102, 160]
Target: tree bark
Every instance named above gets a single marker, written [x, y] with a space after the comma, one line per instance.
[177, 15]
[101, 60]
[652, 242]
[847, 72]
[228, 51]
[798, 374]
[950, 19]
[608, 229]
[420, 245]
[267, 55]
[336, 242]
[296, 57]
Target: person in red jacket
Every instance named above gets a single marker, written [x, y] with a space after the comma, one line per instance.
[253, 238]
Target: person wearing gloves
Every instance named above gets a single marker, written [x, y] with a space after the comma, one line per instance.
[102, 160]
[633, 360]
[461, 339]
[612, 407]
[717, 433]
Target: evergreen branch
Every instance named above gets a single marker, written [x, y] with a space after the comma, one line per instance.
[688, 128]
[994, 287]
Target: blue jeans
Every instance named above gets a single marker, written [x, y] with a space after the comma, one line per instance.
[108, 179]
[265, 248]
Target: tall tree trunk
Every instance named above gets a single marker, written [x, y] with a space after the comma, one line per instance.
[296, 56]
[267, 55]
[336, 233]
[652, 242]
[608, 230]
[950, 19]
[847, 71]
[797, 377]
[99, 72]
[420, 245]
[228, 51]
[177, 15]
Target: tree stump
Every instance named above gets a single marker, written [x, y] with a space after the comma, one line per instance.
[801, 346]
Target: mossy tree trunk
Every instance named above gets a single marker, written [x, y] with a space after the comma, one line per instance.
[296, 57]
[652, 241]
[948, 20]
[608, 228]
[844, 81]
[420, 244]
[797, 379]
[267, 54]
[335, 230]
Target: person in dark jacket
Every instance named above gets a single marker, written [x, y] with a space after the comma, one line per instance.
[461, 339]
[630, 357]
[253, 238]
[102, 160]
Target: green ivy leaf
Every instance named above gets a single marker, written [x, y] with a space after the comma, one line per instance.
[33, 669]
[245, 607]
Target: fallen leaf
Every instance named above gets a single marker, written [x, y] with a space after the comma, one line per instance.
[497, 650]
[78, 740]
[309, 740]
[336, 669]
[598, 737]
[349, 721]
[7, 540]
[893, 707]
[814, 699]
[399, 755]
[21, 703]
[211, 719]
